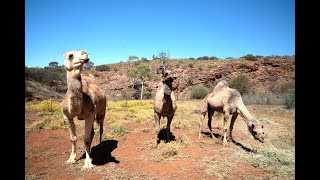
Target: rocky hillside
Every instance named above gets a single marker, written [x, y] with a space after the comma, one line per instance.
[266, 76]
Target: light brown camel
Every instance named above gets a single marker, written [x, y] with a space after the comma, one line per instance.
[164, 101]
[229, 102]
[84, 100]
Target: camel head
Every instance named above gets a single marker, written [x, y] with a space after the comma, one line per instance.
[74, 61]
[168, 76]
[257, 131]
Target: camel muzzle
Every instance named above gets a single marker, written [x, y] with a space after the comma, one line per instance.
[84, 60]
[261, 140]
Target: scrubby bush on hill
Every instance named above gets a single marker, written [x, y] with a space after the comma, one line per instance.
[289, 100]
[288, 89]
[46, 76]
[240, 83]
[250, 57]
[103, 68]
[199, 92]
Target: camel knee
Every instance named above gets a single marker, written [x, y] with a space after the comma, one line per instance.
[87, 142]
[73, 138]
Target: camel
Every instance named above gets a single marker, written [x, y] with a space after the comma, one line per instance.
[229, 102]
[164, 102]
[84, 100]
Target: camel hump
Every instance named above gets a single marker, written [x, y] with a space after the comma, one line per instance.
[220, 86]
[222, 83]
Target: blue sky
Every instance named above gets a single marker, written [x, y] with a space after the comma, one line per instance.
[112, 30]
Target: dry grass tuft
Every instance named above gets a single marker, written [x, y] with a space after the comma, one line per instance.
[166, 151]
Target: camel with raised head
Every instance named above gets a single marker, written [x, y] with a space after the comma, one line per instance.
[84, 100]
[164, 101]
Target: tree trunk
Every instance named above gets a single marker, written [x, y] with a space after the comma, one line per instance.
[132, 83]
[141, 90]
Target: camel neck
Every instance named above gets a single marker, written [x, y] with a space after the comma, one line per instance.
[74, 85]
[245, 114]
[167, 88]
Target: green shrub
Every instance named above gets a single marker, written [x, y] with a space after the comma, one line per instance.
[200, 67]
[262, 98]
[46, 76]
[103, 68]
[265, 59]
[118, 129]
[199, 92]
[146, 95]
[289, 100]
[287, 87]
[96, 75]
[190, 80]
[45, 106]
[250, 57]
[240, 83]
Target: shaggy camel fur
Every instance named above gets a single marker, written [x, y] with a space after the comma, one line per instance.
[164, 102]
[84, 100]
[229, 102]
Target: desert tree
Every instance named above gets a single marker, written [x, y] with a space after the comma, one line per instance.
[144, 59]
[163, 58]
[131, 59]
[53, 64]
[141, 72]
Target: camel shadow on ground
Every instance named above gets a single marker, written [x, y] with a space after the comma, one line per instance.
[162, 135]
[101, 153]
[219, 137]
[242, 146]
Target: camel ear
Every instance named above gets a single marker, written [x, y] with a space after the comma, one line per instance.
[83, 52]
[67, 55]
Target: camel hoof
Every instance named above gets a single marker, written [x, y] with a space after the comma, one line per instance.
[225, 143]
[71, 161]
[88, 166]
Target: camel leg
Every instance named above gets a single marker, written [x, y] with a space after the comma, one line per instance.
[157, 118]
[200, 123]
[168, 127]
[100, 119]
[210, 115]
[88, 127]
[73, 138]
[225, 129]
[101, 130]
[91, 135]
[233, 119]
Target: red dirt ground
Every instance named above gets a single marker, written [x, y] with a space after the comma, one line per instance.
[128, 157]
